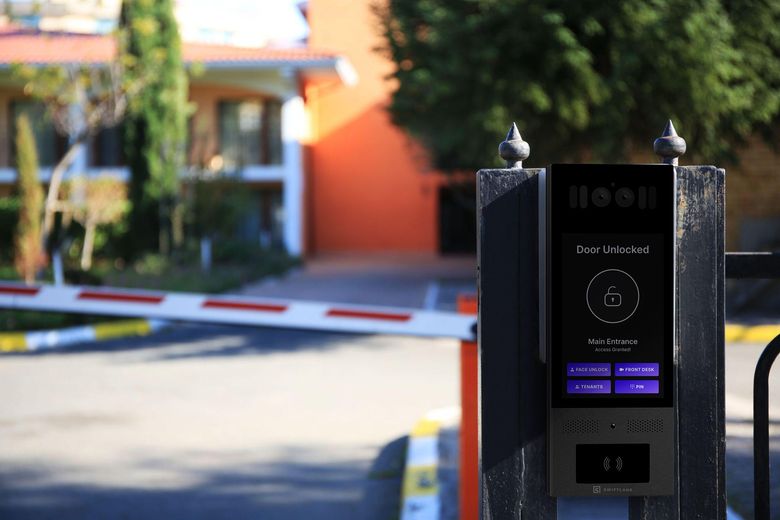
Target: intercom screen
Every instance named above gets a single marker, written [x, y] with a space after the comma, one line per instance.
[610, 276]
[612, 344]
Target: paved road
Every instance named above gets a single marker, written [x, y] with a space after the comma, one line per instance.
[402, 280]
[209, 422]
[217, 422]
[212, 422]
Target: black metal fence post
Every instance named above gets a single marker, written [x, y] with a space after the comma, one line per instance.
[700, 355]
[513, 378]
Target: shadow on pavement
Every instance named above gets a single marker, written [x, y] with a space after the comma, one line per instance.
[739, 474]
[382, 492]
[277, 491]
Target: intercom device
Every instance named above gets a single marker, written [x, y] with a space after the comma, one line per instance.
[608, 263]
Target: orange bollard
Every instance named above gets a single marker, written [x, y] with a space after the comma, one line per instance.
[469, 441]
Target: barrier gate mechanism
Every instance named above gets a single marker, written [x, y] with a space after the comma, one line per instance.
[237, 310]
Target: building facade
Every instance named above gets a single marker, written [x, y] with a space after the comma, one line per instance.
[251, 119]
[305, 127]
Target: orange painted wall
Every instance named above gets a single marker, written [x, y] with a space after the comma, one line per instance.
[370, 186]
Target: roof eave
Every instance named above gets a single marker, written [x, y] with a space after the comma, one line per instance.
[339, 65]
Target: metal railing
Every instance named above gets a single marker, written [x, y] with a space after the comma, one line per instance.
[766, 266]
[761, 477]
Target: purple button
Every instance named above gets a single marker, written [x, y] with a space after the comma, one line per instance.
[585, 386]
[636, 369]
[637, 386]
[588, 369]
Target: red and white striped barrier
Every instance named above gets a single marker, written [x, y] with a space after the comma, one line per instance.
[237, 310]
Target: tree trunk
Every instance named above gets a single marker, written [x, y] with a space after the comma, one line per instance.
[56, 267]
[52, 195]
[89, 243]
[177, 225]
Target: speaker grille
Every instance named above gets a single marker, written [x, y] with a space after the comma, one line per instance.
[645, 426]
[580, 426]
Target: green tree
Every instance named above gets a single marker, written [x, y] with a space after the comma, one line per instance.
[156, 126]
[28, 254]
[585, 80]
[80, 100]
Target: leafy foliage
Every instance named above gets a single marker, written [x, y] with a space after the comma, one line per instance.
[9, 218]
[586, 79]
[28, 247]
[217, 205]
[94, 202]
[102, 199]
[156, 127]
[80, 100]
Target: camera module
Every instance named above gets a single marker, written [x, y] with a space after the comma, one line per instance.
[624, 197]
[601, 197]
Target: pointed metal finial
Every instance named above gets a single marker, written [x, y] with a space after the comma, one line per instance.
[669, 146]
[514, 150]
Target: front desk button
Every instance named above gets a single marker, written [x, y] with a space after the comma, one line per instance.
[636, 369]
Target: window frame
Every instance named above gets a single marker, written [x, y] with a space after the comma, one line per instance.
[265, 134]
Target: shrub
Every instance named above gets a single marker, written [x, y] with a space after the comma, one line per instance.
[9, 216]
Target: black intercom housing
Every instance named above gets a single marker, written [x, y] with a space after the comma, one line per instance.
[608, 264]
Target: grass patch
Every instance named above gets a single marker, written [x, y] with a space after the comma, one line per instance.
[235, 265]
[23, 321]
[190, 278]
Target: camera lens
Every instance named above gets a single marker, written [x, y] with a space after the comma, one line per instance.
[624, 197]
[601, 197]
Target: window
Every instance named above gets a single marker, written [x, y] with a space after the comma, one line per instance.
[264, 222]
[107, 149]
[250, 133]
[273, 129]
[51, 146]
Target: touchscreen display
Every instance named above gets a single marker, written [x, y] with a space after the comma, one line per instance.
[610, 247]
[613, 342]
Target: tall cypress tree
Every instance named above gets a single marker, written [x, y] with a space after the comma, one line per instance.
[156, 125]
[28, 254]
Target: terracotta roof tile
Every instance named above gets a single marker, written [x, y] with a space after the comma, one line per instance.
[35, 48]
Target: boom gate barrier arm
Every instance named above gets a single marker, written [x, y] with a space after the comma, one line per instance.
[238, 310]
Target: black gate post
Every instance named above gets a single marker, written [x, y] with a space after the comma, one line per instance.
[513, 378]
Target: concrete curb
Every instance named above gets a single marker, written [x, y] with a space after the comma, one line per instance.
[420, 490]
[56, 338]
[424, 493]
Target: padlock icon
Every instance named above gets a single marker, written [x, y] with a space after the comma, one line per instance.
[612, 299]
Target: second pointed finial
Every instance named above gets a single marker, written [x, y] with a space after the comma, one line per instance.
[669, 146]
[513, 149]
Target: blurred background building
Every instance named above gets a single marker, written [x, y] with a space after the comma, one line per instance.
[292, 99]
